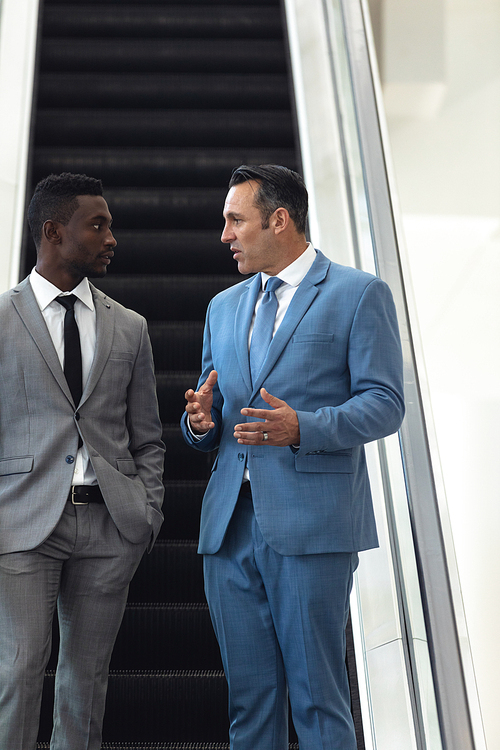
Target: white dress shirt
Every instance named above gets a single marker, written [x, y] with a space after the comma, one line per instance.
[291, 276]
[53, 312]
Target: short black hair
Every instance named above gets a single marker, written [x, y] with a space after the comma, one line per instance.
[55, 198]
[279, 187]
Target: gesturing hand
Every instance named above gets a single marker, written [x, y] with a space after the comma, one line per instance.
[199, 405]
[280, 424]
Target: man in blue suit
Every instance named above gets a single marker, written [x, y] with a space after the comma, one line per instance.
[288, 505]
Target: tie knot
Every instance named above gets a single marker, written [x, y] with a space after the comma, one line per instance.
[67, 301]
[273, 283]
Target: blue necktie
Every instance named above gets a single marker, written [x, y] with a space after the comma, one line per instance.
[263, 327]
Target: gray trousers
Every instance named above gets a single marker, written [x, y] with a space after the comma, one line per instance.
[84, 569]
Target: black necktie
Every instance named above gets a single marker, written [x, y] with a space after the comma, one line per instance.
[72, 350]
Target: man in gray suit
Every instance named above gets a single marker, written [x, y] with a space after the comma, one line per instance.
[80, 468]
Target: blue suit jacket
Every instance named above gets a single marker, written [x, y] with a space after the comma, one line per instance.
[335, 359]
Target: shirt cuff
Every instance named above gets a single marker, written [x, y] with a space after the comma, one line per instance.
[195, 435]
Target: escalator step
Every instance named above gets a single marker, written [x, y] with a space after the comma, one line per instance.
[167, 209]
[181, 460]
[151, 128]
[166, 637]
[186, 708]
[181, 508]
[171, 387]
[165, 296]
[177, 345]
[155, 706]
[162, 21]
[163, 746]
[157, 56]
[172, 91]
[172, 572]
[159, 746]
[258, 3]
[174, 252]
[168, 702]
[162, 167]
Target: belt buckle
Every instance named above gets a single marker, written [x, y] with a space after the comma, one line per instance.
[75, 502]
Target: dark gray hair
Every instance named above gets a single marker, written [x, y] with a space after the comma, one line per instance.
[279, 187]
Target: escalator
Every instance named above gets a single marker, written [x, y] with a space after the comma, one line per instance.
[161, 101]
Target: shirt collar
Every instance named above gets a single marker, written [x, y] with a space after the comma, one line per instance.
[296, 271]
[45, 292]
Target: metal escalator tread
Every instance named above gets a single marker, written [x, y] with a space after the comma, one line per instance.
[164, 127]
[163, 21]
[250, 56]
[165, 297]
[172, 90]
[157, 167]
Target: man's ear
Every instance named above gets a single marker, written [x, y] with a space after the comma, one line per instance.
[51, 232]
[280, 220]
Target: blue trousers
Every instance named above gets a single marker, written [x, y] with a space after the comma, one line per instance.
[280, 623]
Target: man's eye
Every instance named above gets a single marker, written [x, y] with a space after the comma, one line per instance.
[97, 226]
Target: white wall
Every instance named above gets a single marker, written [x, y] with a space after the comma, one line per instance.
[18, 29]
[447, 166]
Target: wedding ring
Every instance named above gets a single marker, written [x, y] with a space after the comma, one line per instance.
[265, 436]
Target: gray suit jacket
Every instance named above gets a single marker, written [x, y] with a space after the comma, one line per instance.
[117, 419]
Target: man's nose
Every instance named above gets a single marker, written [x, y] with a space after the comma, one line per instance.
[110, 240]
[227, 235]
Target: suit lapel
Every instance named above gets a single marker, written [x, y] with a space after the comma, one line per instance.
[26, 305]
[105, 325]
[299, 305]
[242, 320]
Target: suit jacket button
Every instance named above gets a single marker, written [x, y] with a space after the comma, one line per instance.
[70, 459]
[241, 456]
[77, 416]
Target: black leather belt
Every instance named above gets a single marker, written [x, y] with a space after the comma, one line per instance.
[83, 494]
[245, 488]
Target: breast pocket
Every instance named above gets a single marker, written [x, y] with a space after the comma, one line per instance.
[320, 359]
[313, 338]
[119, 369]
